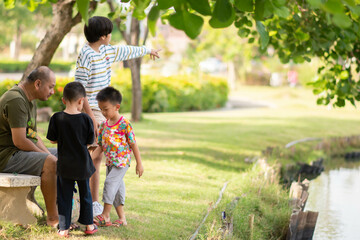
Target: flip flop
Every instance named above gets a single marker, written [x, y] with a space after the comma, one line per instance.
[100, 221]
[62, 235]
[119, 223]
[91, 232]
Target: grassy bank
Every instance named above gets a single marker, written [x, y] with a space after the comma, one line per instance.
[189, 156]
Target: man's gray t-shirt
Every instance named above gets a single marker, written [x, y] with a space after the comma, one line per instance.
[16, 111]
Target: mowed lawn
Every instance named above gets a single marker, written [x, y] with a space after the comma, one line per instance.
[188, 156]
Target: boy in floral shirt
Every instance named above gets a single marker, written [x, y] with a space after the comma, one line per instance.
[117, 140]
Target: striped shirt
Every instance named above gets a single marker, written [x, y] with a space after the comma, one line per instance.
[93, 69]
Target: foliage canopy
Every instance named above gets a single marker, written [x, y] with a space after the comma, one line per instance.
[296, 29]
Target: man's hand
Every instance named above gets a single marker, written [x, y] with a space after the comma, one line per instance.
[154, 54]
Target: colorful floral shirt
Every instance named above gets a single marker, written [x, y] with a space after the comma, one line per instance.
[115, 141]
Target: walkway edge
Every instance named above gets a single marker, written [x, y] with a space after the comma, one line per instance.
[212, 208]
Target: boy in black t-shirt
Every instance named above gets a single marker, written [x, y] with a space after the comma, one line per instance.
[73, 130]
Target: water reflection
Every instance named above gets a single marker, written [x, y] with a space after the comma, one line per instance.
[335, 195]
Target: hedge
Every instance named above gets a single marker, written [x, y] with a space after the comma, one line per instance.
[10, 66]
[160, 94]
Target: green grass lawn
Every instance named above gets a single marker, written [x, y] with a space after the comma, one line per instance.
[189, 156]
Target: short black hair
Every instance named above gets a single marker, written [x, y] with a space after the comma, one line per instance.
[109, 94]
[42, 73]
[97, 27]
[73, 91]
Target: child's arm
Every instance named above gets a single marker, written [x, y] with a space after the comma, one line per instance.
[139, 166]
[125, 52]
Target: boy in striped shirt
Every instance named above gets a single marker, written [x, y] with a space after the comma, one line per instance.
[93, 70]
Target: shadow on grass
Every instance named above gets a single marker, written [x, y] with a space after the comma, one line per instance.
[233, 162]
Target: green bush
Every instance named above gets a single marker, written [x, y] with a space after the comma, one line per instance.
[174, 93]
[160, 94]
[11, 66]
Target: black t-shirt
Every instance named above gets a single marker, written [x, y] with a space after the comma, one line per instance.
[73, 132]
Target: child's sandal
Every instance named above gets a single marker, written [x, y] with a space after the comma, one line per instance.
[100, 221]
[119, 223]
[91, 232]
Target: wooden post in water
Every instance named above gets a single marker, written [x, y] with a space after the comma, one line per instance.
[302, 224]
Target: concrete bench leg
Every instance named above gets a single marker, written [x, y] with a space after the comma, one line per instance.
[32, 204]
[14, 205]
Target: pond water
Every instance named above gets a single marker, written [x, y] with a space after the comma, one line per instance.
[335, 194]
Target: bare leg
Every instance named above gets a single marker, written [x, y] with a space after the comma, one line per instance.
[48, 188]
[106, 212]
[96, 156]
[121, 213]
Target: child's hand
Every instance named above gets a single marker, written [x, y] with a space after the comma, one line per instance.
[139, 169]
[154, 54]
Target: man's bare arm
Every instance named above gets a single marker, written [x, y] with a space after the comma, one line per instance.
[22, 142]
[40, 144]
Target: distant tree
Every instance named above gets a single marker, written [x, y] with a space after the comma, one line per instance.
[19, 20]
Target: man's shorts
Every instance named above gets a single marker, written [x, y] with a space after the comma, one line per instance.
[30, 163]
[99, 118]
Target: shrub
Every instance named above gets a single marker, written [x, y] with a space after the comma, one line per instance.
[160, 94]
[174, 93]
[11, 66]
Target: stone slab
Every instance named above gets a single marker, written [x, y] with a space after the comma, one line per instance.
[18, 180]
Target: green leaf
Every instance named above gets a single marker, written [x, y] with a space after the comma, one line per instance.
[282, 12]
[333, 6]
[279, 3]
[176, 20]
[190, 23]
[350, 3]
[165, 4]
[201, 6]
[83, 8]
[298, 59]
[9, 4]
[193, 24]
[243, 32]
[153, 16]
[344, 75]
[315, 3]
[223, 14]
[340, 102]
[139, 11]
[245, 5]
[259, 9]
[264, 36]
[341, 20]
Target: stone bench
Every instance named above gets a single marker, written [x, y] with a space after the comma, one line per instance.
[17, 201]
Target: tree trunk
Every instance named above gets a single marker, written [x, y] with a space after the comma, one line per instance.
[61, 24]
[17, 40]
[135, 65]
[136, 107]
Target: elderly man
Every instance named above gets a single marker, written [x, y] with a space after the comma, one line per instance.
[21, 149]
